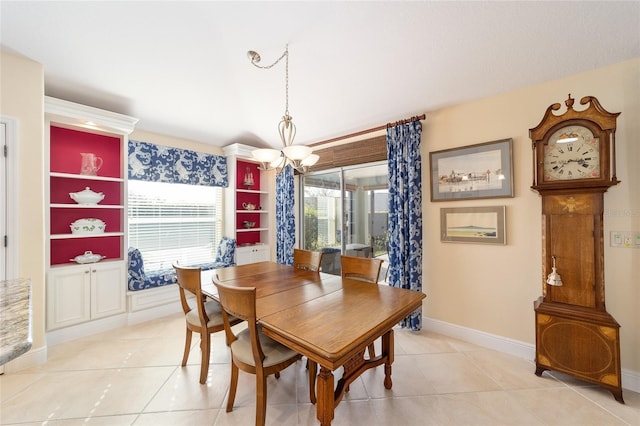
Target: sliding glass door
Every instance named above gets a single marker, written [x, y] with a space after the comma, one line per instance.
[346, 212]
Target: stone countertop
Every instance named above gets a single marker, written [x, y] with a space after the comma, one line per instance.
[15, 318]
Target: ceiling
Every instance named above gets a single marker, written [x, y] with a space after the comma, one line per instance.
[182, 67]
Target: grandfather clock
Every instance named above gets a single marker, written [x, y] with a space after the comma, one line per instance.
[574, 165]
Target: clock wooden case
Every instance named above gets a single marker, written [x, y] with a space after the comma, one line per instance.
[574, 165]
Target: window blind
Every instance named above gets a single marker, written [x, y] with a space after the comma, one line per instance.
[171, 222]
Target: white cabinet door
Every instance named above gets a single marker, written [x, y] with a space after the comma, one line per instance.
[81, 293]
[107, 289]
[68, 294]
[252, 254]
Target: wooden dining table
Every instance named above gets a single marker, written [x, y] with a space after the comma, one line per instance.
[326, 318]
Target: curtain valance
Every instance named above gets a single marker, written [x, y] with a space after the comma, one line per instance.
[158, 163]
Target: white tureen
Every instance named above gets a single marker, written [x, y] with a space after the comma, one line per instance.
[88, 257]
[87, 197]
[88, 226]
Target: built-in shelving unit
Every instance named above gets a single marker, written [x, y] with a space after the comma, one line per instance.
[78, 293]
[248, 194]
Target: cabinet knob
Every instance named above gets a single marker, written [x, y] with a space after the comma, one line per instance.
[86, 272]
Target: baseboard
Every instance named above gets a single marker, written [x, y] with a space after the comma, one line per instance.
[66, 334]
[630, 379]
[30, 359]
[481, 338]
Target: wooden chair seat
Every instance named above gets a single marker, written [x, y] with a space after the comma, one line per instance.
[274, 352]
[213, 311]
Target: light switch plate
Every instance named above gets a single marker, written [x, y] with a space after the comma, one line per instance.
[616, 239]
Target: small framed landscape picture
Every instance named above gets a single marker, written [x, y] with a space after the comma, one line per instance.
[476, 171]
[482, 225]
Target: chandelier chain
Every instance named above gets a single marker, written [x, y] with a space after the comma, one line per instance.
[255, 58]
[300, 157]
[286, 80]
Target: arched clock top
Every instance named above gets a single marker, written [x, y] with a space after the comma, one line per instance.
[594, 113]
[584, 160]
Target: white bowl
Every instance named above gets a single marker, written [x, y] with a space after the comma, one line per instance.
[87, 197]
[88, 257]
[88, 226]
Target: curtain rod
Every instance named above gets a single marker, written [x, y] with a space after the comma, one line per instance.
[373, 129]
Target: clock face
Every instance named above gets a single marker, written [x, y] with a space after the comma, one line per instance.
[572, 152]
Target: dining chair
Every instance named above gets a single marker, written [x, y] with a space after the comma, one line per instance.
[251, 351]
[203, 318]
[363, 269]
[307, 259]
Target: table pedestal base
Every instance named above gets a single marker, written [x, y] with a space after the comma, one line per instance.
[328, 398]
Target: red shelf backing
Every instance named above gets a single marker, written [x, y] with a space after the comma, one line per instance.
[61, 187]
[62, 218]
[64, 250]
[252, 237]
[244, 167]
[67, 144]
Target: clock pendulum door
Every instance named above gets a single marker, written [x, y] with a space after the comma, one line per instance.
[573, 154]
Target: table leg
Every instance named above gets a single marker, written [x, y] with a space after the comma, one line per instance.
[387, 350]
[326, 401]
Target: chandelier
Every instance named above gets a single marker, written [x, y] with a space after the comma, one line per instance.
[298, 156]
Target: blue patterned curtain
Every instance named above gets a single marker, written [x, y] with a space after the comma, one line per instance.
[405, 212]
[285, 218]
[156, 163]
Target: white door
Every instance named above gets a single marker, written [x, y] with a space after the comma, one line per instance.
[3, 204]
[8, 199]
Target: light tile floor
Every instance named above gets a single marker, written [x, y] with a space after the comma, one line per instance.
[132, 376]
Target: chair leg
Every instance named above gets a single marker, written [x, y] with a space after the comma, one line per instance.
[261, 398]
[313, 371]
[205, 346]
[187, 347]
[233, 386]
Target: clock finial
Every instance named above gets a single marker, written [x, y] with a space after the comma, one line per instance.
[569, 102]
